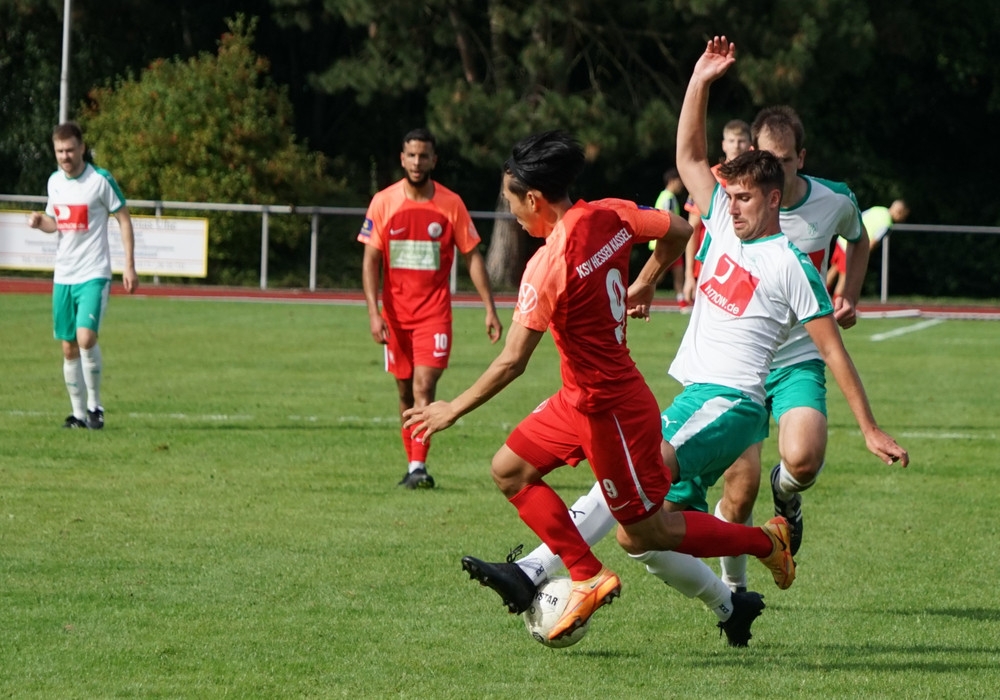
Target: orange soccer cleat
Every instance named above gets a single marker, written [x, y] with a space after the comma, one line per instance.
[779, 561]
[586, 598]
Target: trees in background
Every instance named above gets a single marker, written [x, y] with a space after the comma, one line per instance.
[898, 99]
[214, 128]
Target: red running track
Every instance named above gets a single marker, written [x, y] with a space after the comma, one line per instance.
[24, 285]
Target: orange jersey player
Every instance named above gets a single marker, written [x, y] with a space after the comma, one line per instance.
[410, 234]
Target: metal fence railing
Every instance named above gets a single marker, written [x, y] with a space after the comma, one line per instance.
[315, 212]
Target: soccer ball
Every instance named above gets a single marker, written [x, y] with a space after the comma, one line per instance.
[547, 608]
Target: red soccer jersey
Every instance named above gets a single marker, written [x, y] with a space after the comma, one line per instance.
[577, 285]
[417, 240]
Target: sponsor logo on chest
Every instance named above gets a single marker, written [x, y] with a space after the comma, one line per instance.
[730, 287]
[71, 217]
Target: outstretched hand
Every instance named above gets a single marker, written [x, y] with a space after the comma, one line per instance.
[424, 421]
[884, 446]
[713, 64]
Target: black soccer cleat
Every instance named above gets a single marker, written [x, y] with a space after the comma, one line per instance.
[417, 479]
[791, 510]
[510, 582]
[95, 418]
[746, 608]
[74, 422]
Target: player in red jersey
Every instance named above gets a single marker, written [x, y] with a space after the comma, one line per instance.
[576, 285]
[410, 234]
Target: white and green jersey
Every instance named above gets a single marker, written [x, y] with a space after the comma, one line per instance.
[828, 210]
[81, 206]
[750, 295]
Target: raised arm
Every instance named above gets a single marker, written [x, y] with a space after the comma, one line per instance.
[692, 141]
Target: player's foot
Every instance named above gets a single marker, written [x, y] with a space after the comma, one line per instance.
[73, 422]
[790, 510]
[417, 479]
[779, 561]
[514, 587]
[746, 608]
[586, 598]
[95, 418]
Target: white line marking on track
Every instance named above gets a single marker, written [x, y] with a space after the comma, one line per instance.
[878, 337]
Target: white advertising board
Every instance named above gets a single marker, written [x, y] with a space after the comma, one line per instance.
[168, 246]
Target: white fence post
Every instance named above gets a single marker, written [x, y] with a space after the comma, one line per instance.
[263, 249]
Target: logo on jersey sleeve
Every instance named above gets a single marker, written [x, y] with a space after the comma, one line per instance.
[366, 230]
[71, 217]
[730, 287]
[527, 298]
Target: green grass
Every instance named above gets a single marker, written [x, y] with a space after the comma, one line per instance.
[236, 531]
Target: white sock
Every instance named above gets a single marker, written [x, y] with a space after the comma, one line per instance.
[92, 366]
[592, 518]
[692, 577]
[734, 569]
[788, 485]
[414, 466]
[73, 375]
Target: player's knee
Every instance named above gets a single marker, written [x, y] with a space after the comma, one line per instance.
[628, 542]
[510, 475]
[804, 467]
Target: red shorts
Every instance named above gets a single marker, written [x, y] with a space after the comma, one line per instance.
[428, 345]
[839, 260]
[622, 445]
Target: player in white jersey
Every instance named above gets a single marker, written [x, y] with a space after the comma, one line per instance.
[81, 200]
[755, 286]
[814, 212]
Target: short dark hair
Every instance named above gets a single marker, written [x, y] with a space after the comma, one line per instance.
[548, 162]
[420, 134]
[670, 174]
[758, 168]
[66, 131]
[777, 119]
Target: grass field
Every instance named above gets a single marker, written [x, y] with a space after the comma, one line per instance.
[236, 530]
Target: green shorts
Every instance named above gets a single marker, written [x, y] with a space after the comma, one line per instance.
[78, 306]
[709, 426]
[802, 384]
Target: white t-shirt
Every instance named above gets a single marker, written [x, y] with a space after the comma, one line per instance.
[81, 206]
[750, 295]
[828, 210]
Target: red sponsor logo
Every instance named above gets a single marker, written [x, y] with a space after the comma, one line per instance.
[71, 217]
[731, 287]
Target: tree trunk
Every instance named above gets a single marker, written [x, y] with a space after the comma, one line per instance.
[505, 257]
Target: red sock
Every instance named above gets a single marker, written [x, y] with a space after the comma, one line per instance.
[418, 448]
[407, 442]
[544, 512]
[707, 536]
